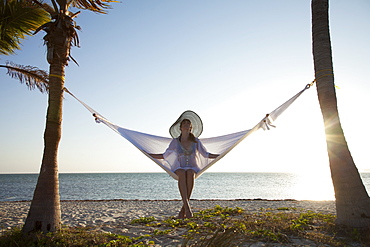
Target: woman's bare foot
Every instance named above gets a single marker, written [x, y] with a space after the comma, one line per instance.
[188, 213]
[181, 213]
[185, 213]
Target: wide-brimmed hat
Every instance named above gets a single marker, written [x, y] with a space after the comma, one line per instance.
[196, 123]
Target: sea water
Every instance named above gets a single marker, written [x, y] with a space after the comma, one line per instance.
[160, 186]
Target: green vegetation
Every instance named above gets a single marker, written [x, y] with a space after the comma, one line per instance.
[212, 227]
[143, 220]
[65, 237]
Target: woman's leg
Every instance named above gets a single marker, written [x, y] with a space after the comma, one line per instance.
[189, 178]
[183, 187]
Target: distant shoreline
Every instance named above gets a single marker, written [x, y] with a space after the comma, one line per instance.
[160, 186]
[117, 172]
[179, 200]
[155, 200]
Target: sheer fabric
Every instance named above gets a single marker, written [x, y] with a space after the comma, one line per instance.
[179, 157]
[152, 144]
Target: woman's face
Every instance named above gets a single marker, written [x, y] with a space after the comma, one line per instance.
[185, 126]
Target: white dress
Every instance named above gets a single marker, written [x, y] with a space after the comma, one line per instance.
[178, 157]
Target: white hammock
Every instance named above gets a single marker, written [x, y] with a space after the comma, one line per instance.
[151, 144]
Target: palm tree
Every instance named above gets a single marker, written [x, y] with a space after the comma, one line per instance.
[61, 35]
[18, 18]
[352, 200]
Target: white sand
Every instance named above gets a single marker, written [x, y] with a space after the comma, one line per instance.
[115, 215]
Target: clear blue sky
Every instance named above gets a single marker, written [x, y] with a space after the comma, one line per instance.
[232, 62]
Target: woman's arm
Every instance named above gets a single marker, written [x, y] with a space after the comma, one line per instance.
[204, 151]
[213, 156]
[171, 147]
[157, 156]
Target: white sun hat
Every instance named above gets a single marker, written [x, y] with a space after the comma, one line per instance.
[196, 123]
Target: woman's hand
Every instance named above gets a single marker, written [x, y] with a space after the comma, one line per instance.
[213, 156]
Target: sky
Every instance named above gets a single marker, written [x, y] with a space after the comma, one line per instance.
[147, 61]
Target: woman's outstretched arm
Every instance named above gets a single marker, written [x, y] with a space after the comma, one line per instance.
[157, 156]
[204, 152]
[213, 156]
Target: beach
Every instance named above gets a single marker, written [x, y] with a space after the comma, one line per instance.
[115, 216]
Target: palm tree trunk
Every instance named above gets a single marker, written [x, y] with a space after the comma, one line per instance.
[45, 213]
[352, 200]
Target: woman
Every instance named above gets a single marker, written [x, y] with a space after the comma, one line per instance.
[187, 149]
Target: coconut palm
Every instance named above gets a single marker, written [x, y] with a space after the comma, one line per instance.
[18, 18]
[61, 35]
[352, 200]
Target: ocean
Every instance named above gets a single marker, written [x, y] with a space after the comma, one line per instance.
[160, 186]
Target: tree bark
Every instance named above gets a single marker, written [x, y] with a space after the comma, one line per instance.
[352, 200]
[45, 213]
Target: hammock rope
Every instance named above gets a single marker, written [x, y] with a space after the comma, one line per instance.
[222, 145]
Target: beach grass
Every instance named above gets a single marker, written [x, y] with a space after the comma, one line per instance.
[218, 226]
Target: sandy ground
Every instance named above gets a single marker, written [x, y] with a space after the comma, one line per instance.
[115, 215]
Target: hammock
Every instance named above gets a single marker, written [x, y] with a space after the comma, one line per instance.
[151, 144]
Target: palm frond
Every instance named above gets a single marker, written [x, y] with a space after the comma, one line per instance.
[18, 18]
[92, 5]
[46, 7]
[54, 4]
[32, 76]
